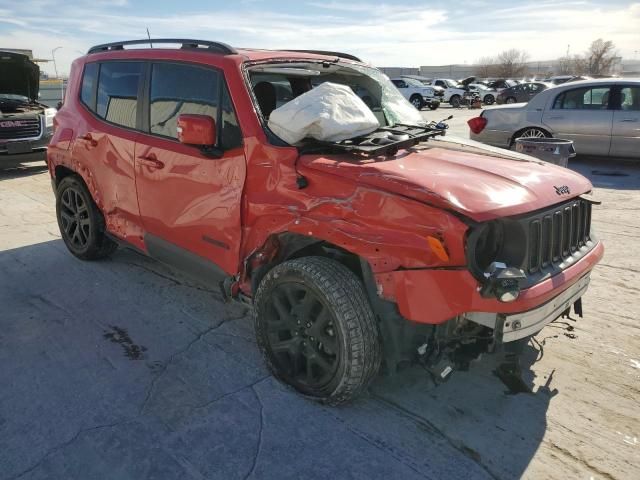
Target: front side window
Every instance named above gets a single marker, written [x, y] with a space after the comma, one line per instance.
[89, 77]
[630, 98]
[117, 100]
[188, 89]
[585, 98]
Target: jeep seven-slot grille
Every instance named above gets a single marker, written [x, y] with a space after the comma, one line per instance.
[557, 234]
[22, 127]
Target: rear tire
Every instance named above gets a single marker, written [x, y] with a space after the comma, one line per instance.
[455, 101]
[530, 132]
[416, 101]
[316, 329]
[80, 221]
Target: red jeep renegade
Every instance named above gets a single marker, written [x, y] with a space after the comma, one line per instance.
[396, 246]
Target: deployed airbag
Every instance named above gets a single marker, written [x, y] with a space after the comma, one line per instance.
[330, 112]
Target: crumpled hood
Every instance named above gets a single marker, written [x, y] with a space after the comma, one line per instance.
[477, 181]
[19, 75]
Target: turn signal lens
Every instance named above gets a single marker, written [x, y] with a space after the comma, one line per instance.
[438, 248]
[477, 124]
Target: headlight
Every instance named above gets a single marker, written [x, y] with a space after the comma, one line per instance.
[49, 113]
[501, 241]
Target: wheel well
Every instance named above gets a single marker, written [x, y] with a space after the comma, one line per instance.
[62, 172]
[293, 245]
[517, 134]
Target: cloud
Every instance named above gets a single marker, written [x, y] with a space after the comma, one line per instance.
[383, 34]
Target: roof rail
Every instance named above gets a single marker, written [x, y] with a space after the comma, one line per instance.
[348, 56]
[217, 47]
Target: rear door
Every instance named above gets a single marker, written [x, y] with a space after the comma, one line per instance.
[584, 115]
[189, 201]
[625, 135]
[105, 142]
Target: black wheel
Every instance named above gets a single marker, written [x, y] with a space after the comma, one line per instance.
[416, 101]
[316, 329]
[511, 100]
[455, 101]
[81, 223]
[433, 106]
[489, 100]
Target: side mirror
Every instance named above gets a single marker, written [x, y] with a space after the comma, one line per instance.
[197, 130]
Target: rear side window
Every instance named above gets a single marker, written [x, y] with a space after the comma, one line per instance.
[585, 98]
[630, 98]
[118, 92]
[177, 89]
[89, 77]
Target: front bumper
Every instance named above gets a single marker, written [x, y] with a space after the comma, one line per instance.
[434, 296]
[26, 150]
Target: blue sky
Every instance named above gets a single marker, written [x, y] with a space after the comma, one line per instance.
[402, 33]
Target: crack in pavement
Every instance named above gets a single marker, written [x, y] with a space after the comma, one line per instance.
[175, 355]
[208, 403]
[618, 268]
[254, 464]
[466, 451]
[567, 453]
[63, 445]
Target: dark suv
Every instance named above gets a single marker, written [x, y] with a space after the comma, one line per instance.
[384, 248]
[25, 124]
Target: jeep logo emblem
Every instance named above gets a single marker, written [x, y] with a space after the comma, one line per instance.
[562, 190]
[13, 123]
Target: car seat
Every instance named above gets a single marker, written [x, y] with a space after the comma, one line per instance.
[266, 95]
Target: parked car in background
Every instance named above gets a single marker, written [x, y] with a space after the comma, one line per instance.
[438, 91]
[523, 92]
[453, 91]
[501, 84]
[25, 124]
[418, 94]
[602, 117]
[487, 95]
[560, 79]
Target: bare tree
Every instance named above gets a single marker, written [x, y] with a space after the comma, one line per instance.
[600, 57]
[512, 63]
[486, 67]
[565, 65]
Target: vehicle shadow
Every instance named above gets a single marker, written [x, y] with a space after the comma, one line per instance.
[104, 362]
[608, 173]
[10, 171]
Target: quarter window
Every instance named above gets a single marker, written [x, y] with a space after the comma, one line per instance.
[586, 98]
[118, 92]
[89, 77]
[187, 89]
[630, 98]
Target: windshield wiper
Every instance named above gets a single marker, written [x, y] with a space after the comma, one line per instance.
[383, 141]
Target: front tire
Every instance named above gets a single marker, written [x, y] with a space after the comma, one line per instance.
[489, 100]
[455, 101]
[316, 329]
[81, 223]
[511, 100]
[416, 101]
[433, 106]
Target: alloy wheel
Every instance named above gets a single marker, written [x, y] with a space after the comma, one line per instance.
[533, 133]
[416, 102]
[74, 215]
[302, 336]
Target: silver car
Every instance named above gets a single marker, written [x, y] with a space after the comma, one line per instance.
[601, 116]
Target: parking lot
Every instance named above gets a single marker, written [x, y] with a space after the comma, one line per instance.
[125, 369]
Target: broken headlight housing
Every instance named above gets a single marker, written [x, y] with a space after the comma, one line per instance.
[496, 251]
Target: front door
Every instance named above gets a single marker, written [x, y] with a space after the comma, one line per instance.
[190, 202]
[584, 115]
[625, 136]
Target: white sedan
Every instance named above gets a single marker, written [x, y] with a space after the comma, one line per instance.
[602, 117]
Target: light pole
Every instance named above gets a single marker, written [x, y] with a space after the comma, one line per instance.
[53, 55]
